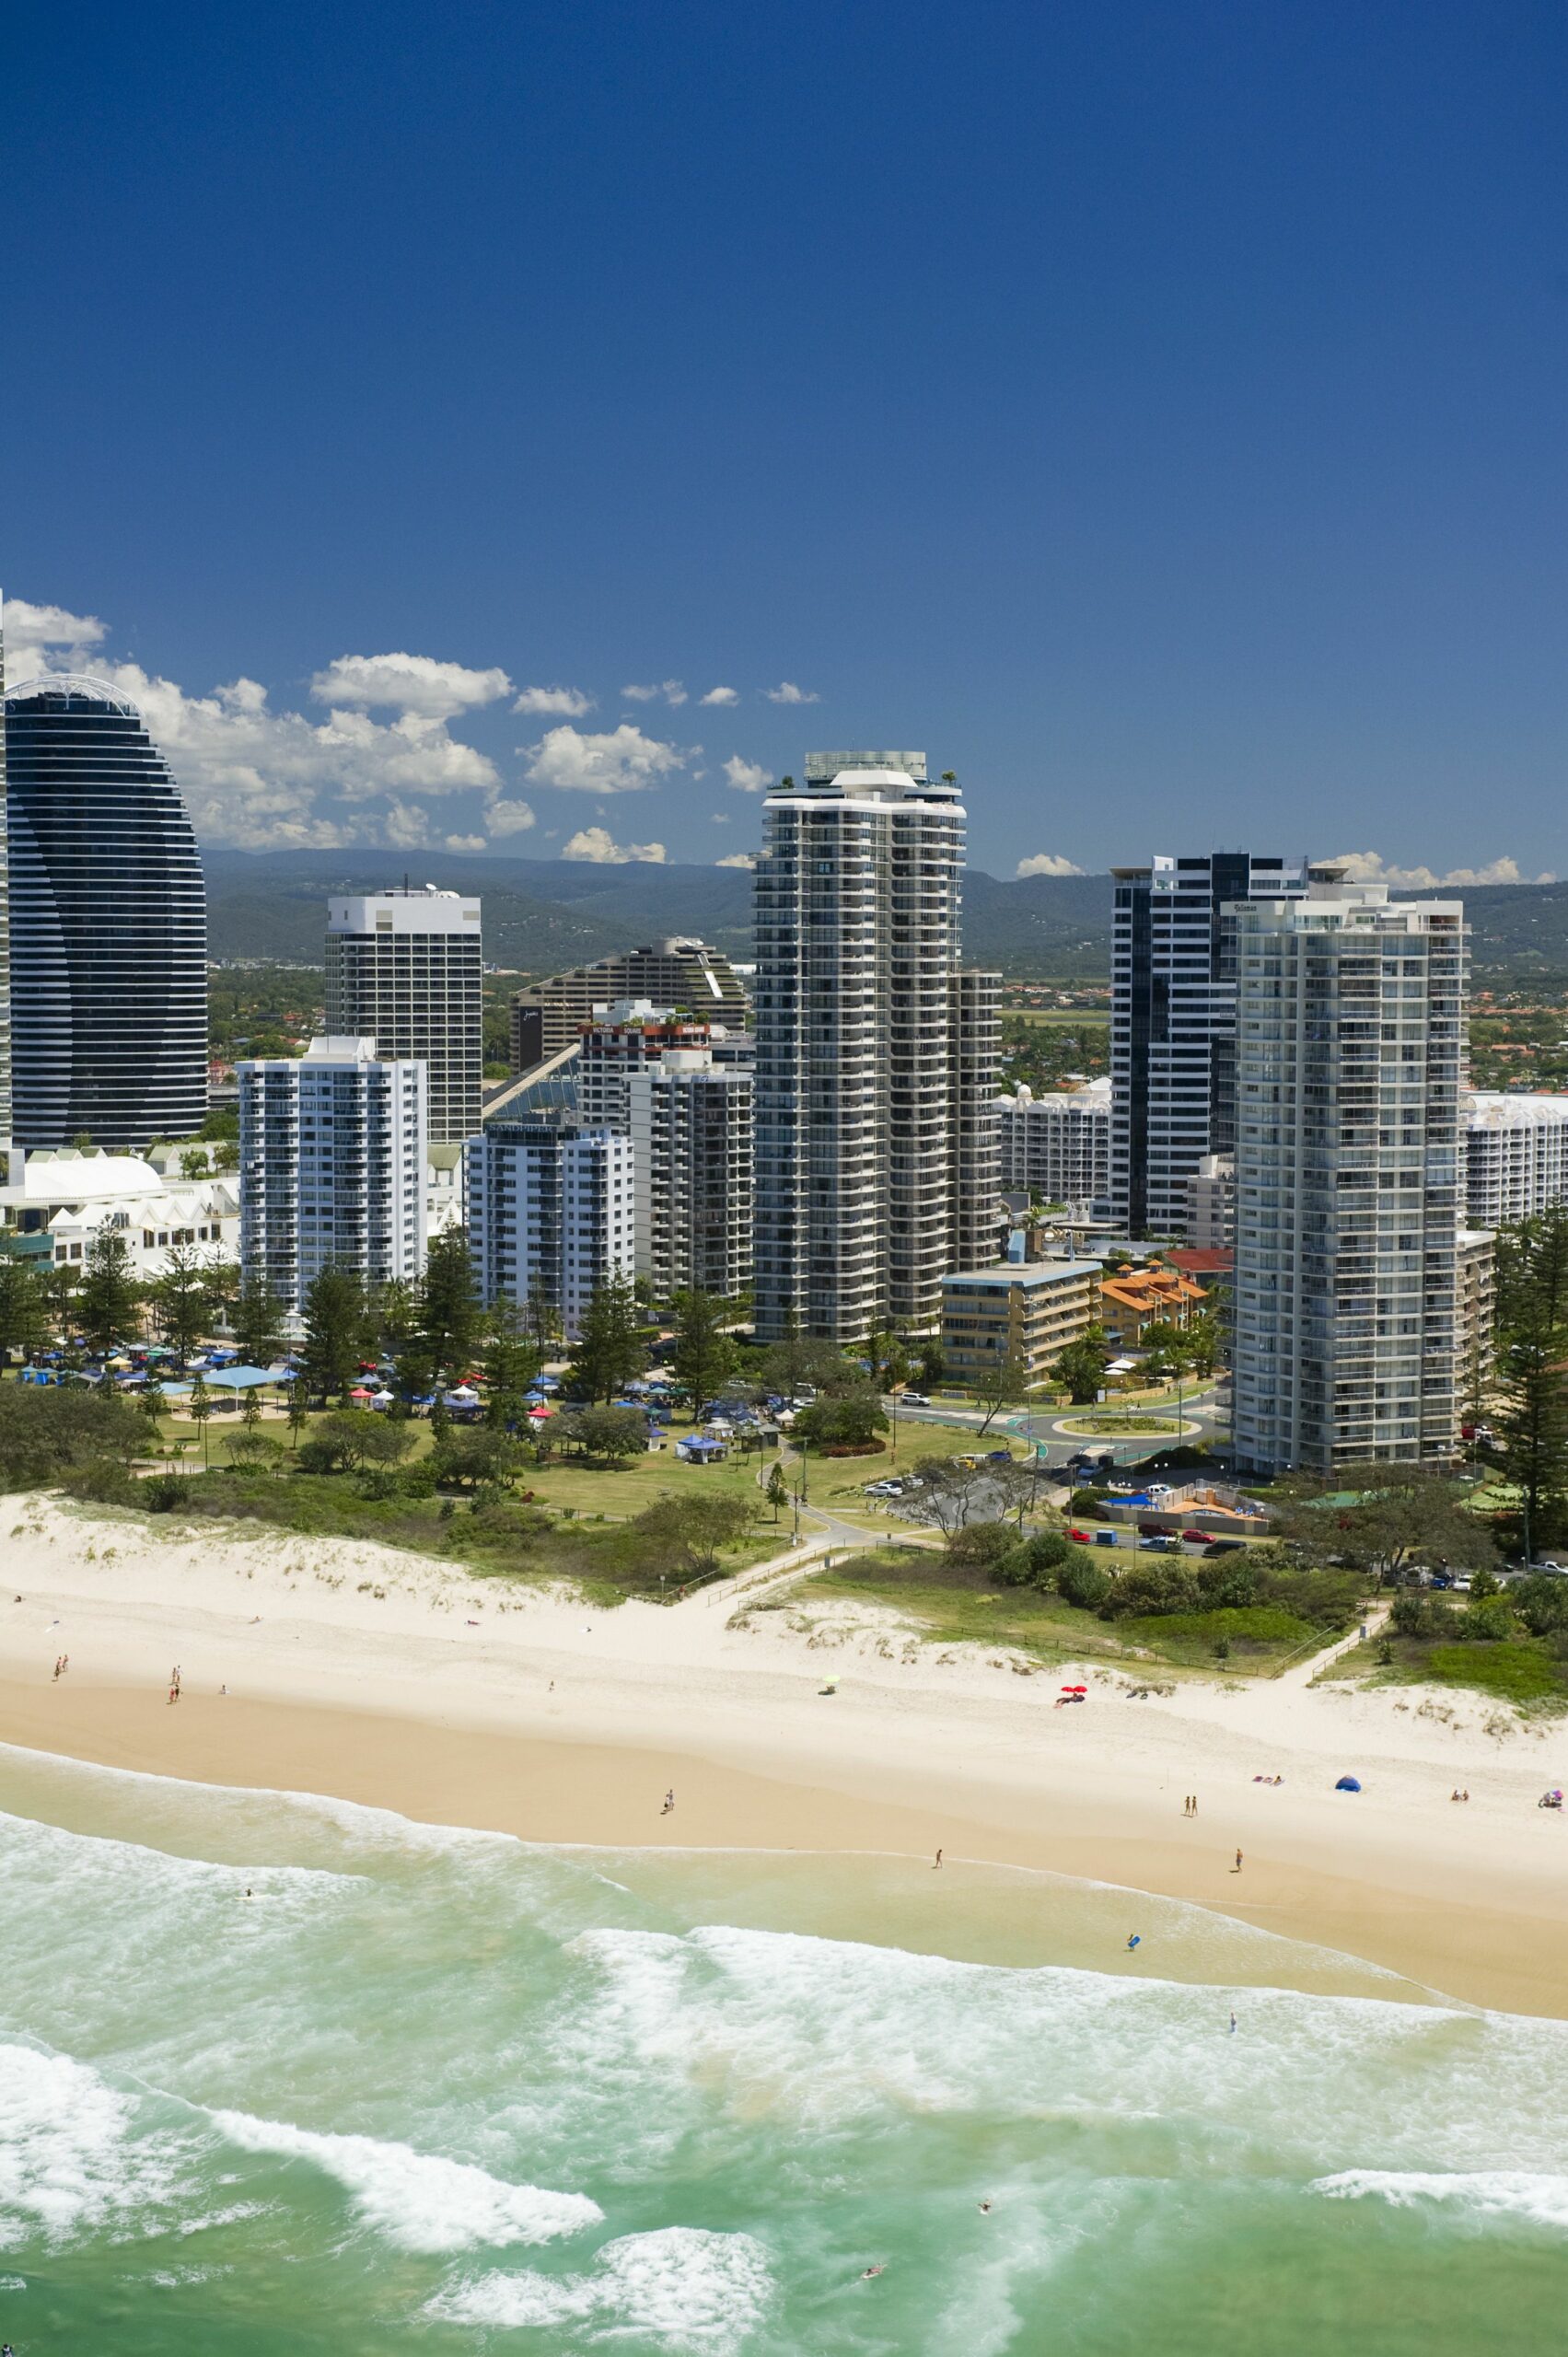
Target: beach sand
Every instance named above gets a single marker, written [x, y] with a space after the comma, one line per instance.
[387, 1679]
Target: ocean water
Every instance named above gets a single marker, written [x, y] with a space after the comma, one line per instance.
[436, 2090]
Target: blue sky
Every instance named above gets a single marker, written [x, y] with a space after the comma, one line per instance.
[1156, 412]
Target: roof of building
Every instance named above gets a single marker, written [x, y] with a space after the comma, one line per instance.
[1151, 1288]
[1024, 1272]
[1200, 1260]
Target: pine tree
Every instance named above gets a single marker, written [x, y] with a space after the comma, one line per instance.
[704, 1355]
[335, 1310]
[180, 1298]
[610, 1349]
[22, 1305]
[450, 1318]
[110, 1297]
[257, 1322]
[1532, 1356]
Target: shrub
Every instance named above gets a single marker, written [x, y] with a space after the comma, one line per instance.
[45, 1430]
[1541, 1602]
[1163, 1585]
[986, 1544]
[1083, 1582]
[1085, 1502]
[1491, 1622]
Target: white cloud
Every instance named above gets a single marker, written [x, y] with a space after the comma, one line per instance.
[738, 859]
[1370, 867]
[1048, 863]
[788, 692]
[670, 689]
[466, 843]
[746, 777]
[405, 826]
[571, 702]
[619, 761]
[508, 818]
[719, 817]
[721, 695]
[30, 629]
[407, 683]
[596, 843]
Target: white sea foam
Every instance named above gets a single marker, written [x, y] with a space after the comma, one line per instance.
[681, 2287]
[1522, 2194]
[419, 2200]
[70, 2159]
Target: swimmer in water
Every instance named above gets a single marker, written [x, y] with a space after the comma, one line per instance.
[985, 2209]
[870, 2272]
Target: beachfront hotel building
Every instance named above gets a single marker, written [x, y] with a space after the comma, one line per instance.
[1516, 1157]
[1058, 1145]
[1173, 1024]
[876, 1053]
[406, 969]
[690, 1119]
[332, 1167]
[550, 1213]
[107, 925]
[1026, 1310]
[1351, 1039]
[5, 1125]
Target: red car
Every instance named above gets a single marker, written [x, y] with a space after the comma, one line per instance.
[1083, 1537]
[1196, 1538]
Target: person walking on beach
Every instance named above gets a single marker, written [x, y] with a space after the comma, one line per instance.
[59, 1662]
[1237, 1868]
[938, 1857]
[669, 1802]
[1233, 2025]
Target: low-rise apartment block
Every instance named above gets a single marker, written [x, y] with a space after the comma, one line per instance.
[1031, 1309]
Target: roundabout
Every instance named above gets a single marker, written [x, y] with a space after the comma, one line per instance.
[1132, 1425]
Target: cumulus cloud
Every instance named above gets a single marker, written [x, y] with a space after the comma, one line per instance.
[721, 695]
[466, 842]
[737, 859]
[1048, 863]
[508, 818]
[31, 630]
[670, 689]
[788, 692]
[746, 777]
[617, 760]
[1371, 867]
[258, 777]
[597, 843]
[407, 683]
[571, 702]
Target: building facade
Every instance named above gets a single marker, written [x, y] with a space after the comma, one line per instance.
[107, 925]
[876, 1137]
[6, 1120]
[1350, 1057]
[1475, 1345]
[689, 1121]
[1516, 1157]
[679, 973]
[1057, 1146]
[407, 970]
[1030, 1309]
[1211, 1203]
[62, 1197]
[550, 1214]
[332, 1166]
[1173, 1024]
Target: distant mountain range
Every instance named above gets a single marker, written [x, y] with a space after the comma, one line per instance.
[542, 915]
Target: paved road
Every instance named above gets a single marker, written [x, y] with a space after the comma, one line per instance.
[1200, 1407]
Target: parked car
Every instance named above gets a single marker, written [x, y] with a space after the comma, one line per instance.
[1224, 1546]
[1196, 1538]
[1164, 1542]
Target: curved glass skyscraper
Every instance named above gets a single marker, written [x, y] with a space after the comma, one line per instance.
[108, 926]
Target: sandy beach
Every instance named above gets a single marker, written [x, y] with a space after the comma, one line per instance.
[385, 1677]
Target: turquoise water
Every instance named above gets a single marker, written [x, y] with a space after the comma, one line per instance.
[436, 2090]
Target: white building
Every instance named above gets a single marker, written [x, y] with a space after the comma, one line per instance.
[1350, 1053]
[69, 1195]
[332, 1165]
[406, 969]
[550, 1213]
[876, 1055]
[689, 1121]
[1211, 1203]
[1057, 1145]
[1516, 1157]
[1173, 1024]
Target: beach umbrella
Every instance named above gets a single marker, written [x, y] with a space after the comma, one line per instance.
[1348, 1784]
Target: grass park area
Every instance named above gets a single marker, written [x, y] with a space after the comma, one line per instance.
[954, 1604]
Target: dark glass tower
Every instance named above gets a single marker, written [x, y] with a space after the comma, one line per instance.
[109, 926]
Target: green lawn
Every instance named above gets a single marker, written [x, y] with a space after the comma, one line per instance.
[1524, 1670]
[957, 1607]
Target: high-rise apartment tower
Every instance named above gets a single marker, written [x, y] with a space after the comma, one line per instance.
[406, 969]
[1350, 1059]
[107, 925]
[1173, 1024]
[875, 1133]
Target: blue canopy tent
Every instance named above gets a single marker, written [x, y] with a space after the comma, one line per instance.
[1348, 1784]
